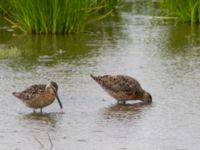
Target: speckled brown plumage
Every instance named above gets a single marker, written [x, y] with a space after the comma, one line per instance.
[123, 88]
[39, 96]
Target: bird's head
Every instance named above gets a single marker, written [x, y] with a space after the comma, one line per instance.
[54, 86]
[147, 98]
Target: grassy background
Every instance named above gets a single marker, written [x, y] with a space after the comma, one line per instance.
[186, 10]
[55, 16]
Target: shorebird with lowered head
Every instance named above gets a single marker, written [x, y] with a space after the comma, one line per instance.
[123, 88]
[39, 95]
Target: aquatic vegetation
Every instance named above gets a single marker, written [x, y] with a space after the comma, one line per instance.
[12, 52]
[4, 8]
[53, 16]
[186, 10]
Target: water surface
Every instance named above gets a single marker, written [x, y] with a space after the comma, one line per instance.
[162, 55]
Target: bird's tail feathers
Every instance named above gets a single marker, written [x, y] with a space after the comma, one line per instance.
[92, 76]
[16, 94]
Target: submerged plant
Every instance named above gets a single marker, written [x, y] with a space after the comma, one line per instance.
[57, 16]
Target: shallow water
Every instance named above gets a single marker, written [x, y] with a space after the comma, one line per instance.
[163, 56]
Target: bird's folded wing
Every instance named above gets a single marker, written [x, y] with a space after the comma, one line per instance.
[32, 91]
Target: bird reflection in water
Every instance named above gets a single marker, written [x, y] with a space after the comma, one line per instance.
[124, 112]
[43, 118]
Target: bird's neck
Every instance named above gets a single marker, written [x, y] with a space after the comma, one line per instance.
[50, 90]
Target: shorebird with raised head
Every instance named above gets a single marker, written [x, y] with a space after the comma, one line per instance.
[39, 95]
[123, 88]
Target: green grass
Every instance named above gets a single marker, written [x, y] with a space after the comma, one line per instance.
[57, 16]
[4, 8]
[186, 10]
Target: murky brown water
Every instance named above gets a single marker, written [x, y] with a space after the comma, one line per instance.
[163, 56]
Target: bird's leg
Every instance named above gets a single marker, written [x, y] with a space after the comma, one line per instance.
[119, 102]
[41, 110]
[34, 111]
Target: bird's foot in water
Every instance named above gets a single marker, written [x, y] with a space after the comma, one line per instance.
[121, 102]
